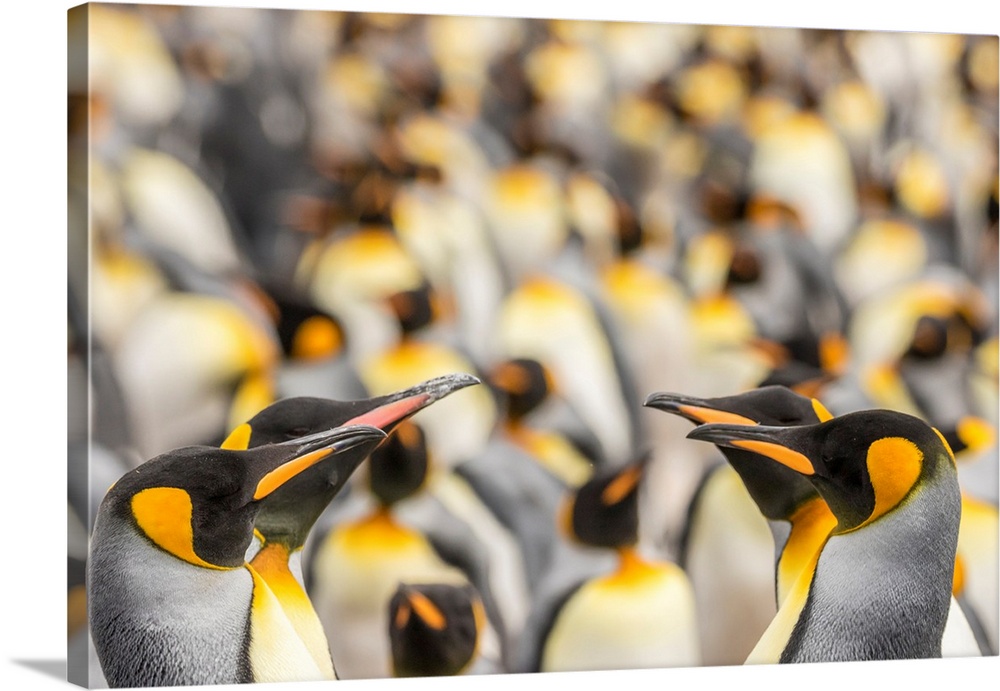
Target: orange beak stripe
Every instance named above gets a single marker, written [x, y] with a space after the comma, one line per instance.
[706, 415]
[779, 453]
[285, 472]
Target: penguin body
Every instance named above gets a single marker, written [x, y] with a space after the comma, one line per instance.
[742, 516]
[851, 634]
[172, 601]
[641, 614]
[799, 519]
[627, 637]
[880, 588]
[526, 468]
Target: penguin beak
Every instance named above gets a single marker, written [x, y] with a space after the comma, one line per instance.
[697, 410]
[311, 449]
[393, 408]
[777, 443]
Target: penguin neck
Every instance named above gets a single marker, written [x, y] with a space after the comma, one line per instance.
[871, 584]
[632, 567]
[809, 527]
[279, 565]
[378, 531]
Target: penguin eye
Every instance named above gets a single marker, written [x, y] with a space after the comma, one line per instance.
[296, 432]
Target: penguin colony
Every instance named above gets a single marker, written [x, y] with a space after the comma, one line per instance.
[399, 324]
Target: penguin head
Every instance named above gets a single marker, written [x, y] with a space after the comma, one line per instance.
[745, 268]
[290, 512]
[767, 405]
[864, 464]
[398, 468]
[522, 384]
[936, 335]
[308, 333]
[414, 309]
[199, 503]
[604, 511]
[434, 629]
[778, 491]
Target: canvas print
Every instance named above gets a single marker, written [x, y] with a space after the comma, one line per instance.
[412, 345]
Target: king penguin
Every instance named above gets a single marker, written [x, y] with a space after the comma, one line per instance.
[798, 516]
[641, 614]
[288, 514]
[880, 588]
[730, 514]
[173, 601]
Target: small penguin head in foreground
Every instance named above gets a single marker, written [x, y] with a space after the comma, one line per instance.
[434, 629]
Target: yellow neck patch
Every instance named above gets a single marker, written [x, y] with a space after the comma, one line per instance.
[164, 515]
[811, 526]
[271, 564]
[633, 571]
[958, 580]
[378, 533]
[894, 465]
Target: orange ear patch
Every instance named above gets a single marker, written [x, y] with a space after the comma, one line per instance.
[894, 464]
[427, 610]
[620, 487]
[164, 515]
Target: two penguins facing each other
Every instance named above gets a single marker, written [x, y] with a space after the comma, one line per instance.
[175, 531]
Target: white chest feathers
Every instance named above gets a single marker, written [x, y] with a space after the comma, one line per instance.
[642, 616]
